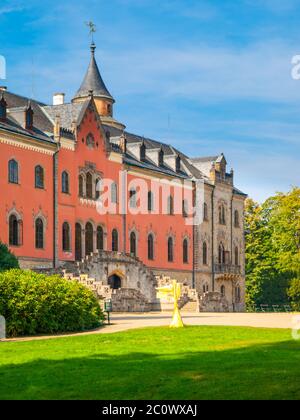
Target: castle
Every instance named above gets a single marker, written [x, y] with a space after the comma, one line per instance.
[76, 186]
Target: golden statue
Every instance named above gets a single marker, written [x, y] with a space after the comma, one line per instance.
[173, 290]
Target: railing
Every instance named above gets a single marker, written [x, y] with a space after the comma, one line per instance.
[227, 269]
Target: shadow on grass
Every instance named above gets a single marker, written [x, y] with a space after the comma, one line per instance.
[256, 372]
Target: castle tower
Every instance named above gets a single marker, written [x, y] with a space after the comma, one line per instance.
[93, 82]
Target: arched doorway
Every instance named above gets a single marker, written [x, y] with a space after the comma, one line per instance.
[115, 282]
[78, 242]
[89, 239]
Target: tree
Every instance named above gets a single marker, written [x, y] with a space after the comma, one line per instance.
[294, 294]
[7, 259]
[272, 247]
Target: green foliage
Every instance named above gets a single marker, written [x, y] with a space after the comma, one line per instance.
[7, 259]
[272, 247]
[294, 294]
[37, 304]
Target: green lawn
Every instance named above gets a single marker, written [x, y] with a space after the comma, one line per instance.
[155, 363]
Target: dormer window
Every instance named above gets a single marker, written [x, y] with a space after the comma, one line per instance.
[161, 158]
[143, 152]
[178, 163]
[90, 141]
[3, 106]
[29, 118]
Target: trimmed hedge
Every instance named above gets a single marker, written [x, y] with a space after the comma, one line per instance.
[37, 304]
[7, 259]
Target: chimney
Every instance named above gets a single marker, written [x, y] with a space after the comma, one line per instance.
[58, 99]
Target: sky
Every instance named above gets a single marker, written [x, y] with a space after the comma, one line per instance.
[207, 76]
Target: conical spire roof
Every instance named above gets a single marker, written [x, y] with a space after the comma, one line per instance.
[93, 81]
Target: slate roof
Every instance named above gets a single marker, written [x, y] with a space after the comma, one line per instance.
[93, 81]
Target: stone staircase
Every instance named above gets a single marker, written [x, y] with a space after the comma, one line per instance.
[188, 302]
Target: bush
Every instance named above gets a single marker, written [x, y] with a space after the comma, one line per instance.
[37, 304]
[294, 294]
[7, 259]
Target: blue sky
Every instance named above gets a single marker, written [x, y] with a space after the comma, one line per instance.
[207, 76]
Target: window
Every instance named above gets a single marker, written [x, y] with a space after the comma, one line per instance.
[132, 198]
[205, 288]
[237, 293]
[142, 152]
[100, 238]
[133, 244]
[114, 193]
[150, 247]
[150, 201]
[223, 291]
[178, 164]
[184, 208]
[80, 186]
[236, 219]
[115, 240]
[204, 253]
[222, 219]
[29, 118]
[39, 177]
[161, 158]
[15, 227]
[98, 188]
[170, 250]
[65, 183]
[185, 251]
[89, 185]
[3, 106]
[13, 171]
[221, 254]
[109, 108]
[66, 237]
[39, 234]
[170, 205]
[236, 256]
[205, 212]
[90, 141]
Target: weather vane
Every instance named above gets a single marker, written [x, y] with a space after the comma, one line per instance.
[92, 27]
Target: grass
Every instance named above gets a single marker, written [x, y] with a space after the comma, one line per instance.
[155, 363]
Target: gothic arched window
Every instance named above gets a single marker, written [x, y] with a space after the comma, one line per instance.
[170, 205]
[236, 219]
[222, 256]
[150, 247]
[133, 244]
[66, 242]
[39, 233]
[115, 241]
[89, 185]
[13, 171]
[39, 177]
[170, 250]
[14, 231]
[223, 291]
[100, 238]
[65, 183]
[222, 218]
[205, 212]
[114, 193]
[236, 256]
[150, 201]
[204, 253]
[80, 186]
[185, 251]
